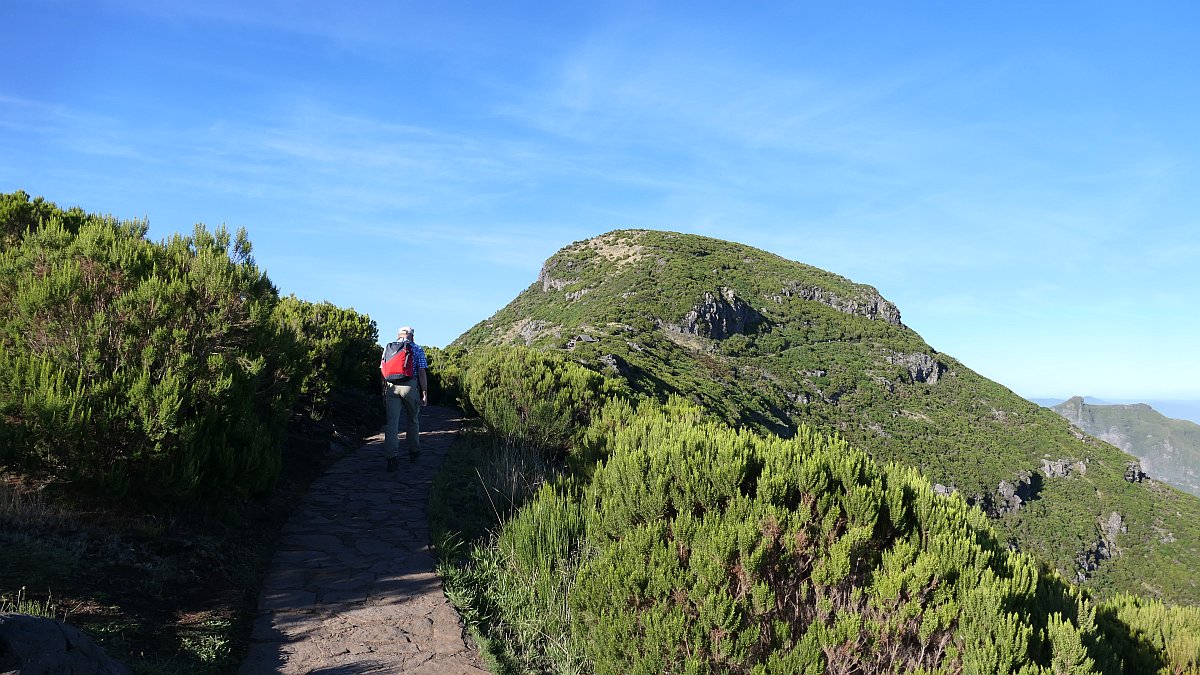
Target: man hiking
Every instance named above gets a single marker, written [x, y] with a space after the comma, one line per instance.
[405, 390]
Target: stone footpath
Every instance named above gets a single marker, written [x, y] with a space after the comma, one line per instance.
[352, 588]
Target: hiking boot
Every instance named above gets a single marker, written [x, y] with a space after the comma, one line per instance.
[392, 463]
[413, 455]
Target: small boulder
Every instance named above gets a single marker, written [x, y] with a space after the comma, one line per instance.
[34, 645]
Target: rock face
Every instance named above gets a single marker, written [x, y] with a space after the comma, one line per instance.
[921, 367]
[34, 646]
[872, 308]
[548, 281]
[719, 316]
[1134, 473]
[1061, 468]
[1105, 547]
[1009, 496]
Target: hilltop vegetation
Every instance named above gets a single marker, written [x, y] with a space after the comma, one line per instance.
[1169, 449]
[765, 343]
[160, 403]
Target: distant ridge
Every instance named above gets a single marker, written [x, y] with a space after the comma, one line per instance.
[1179, 409]
[768, 343]
[1169, 449]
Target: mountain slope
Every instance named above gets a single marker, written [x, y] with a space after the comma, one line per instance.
[1169, 449]
[769, 343]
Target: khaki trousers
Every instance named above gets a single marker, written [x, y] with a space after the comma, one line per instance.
[402, 400]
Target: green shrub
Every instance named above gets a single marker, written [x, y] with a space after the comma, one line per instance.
[693, 547]
[157, 369]
[331, 349]
[1152, 637]
[446, 368]
[534, 398]
[674, 543]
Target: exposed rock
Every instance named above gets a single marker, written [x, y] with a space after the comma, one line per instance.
[575, 295]
[719, 316]
[1009, 496]
[1060, 468]
[611, 362]
[36, 645]
[548, 282]
[1134, 473]
[873, 307]
[1105, 547]
[921, 367]
[1114, 525]
[943, 490]
[1089, 561]
[530, 330]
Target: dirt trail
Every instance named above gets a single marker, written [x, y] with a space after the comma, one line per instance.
[352, 588]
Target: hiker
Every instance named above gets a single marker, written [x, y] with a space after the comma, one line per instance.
[405, 389]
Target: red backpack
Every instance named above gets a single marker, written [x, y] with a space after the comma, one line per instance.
[399, 363]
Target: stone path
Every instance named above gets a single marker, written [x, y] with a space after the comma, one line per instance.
[352, 588]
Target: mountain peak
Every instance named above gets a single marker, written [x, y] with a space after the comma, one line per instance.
[767, 343]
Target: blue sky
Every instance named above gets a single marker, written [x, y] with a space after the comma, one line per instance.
[1020, 178]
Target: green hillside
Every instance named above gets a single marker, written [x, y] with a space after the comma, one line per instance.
[585, 529]
[1169, 449]
[766, 343]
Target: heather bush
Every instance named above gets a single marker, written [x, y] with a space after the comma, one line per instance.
[446, 367]
[331, 350]
[534, 398]
[692, 547]
[160, 369]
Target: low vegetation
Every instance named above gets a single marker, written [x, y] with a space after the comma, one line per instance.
[161, 407]
[661, 540]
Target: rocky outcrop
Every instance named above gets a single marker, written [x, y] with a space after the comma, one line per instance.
[530, 331]
[873, 307]
[1105, 547]
[921, 367]
[1061, 468]
[719, 316]
[612, 363]
[1134, 473]
[548, 281]
[33, 644]
[1009, 496]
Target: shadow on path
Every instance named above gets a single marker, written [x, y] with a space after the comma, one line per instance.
[352, 588]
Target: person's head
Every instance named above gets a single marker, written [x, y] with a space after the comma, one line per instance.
[405, 333]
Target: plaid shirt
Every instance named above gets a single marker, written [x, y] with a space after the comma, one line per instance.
[419, 353]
